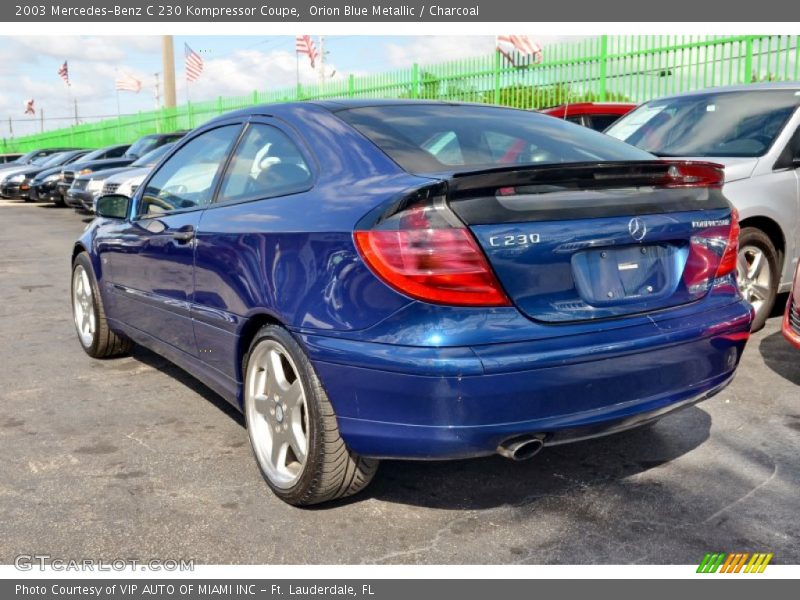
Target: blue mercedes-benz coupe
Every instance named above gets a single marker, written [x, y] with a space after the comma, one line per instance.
[417, 280]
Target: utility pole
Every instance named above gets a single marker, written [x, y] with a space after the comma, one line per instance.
[168, 60]
[76, 110]
[41, 119]
[10, 127]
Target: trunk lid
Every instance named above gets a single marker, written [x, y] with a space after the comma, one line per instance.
[591, 241]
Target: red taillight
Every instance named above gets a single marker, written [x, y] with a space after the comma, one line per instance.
[712, 254]
[693, 174]
[731, 256]
[431, 258]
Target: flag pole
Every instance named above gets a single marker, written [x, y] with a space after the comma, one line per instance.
[189, 104]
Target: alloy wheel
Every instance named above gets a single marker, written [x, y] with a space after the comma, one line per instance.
[83, 306]
[754, 276]
[277, 413]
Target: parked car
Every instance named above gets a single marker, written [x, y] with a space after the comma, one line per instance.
[754, 131]
[791, 318]
[17, 184]
[46, 186]
[34, 157]
[360, 297]
[595, 115]
[9, 157]
[138, 149]
[127, 180]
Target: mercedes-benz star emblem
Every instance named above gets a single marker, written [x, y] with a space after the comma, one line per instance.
[637, 229]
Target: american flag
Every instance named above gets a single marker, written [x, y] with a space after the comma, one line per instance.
[194, 64]
[128, 83]
[509, 45]
[63, 72]
[29, 109]
[303, 44]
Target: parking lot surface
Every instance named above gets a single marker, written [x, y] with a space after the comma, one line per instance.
[133, 458]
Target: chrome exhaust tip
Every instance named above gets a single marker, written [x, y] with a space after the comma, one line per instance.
[521, 447]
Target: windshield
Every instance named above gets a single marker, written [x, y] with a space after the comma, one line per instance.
[743, 124]
[152, 157]
[56, 159]
[42, 160]
[430, 138]
[144, 145]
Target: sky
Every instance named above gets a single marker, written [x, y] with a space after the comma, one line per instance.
[234, 65]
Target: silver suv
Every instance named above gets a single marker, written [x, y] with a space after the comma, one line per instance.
[754, 131]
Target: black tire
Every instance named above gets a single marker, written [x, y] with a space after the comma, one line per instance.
[754, 237]
[331, 470]
[105, 342]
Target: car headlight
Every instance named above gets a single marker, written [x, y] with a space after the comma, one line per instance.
[95, 185]
[16, 178]
[52, 178]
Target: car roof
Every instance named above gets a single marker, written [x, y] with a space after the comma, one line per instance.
[280, 108]
[752, 87]
[590, 108]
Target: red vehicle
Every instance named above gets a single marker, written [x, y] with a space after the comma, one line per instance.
[791, 320]
[595, 115]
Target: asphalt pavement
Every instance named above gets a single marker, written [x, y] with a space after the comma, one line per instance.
[133, 458]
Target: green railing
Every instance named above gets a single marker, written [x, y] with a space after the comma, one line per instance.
[604, 68]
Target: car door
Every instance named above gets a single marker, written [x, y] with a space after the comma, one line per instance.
[150, 259]
[247, 238]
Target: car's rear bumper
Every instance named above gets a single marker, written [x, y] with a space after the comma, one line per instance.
[427, 403]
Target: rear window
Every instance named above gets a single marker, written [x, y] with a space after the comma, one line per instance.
[430, 138]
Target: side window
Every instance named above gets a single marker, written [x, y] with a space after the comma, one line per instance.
[186, 180]
[267, 163]
[116, 152]
[602, 122]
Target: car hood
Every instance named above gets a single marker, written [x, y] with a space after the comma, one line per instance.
[4, 173]
[736, 168]
[123, 176]
[46, 173]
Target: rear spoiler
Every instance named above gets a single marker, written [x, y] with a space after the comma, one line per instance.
[584, 190]
[589, 176]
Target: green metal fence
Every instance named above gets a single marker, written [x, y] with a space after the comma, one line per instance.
[603, 68]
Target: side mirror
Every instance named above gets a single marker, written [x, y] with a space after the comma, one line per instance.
[113, 206]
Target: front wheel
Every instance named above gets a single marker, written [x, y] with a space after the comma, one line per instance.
[292, 425]
[757, 272]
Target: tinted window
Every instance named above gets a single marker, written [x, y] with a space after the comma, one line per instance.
[602, 122]
[723, 124]
[408, 134]
[266, 163]
[186, 179]
[116, 152]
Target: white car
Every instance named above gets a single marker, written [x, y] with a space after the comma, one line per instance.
[754, 131]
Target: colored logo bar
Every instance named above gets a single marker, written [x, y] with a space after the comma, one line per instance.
[738, 562]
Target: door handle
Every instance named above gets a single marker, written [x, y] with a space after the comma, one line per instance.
[184, 234]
